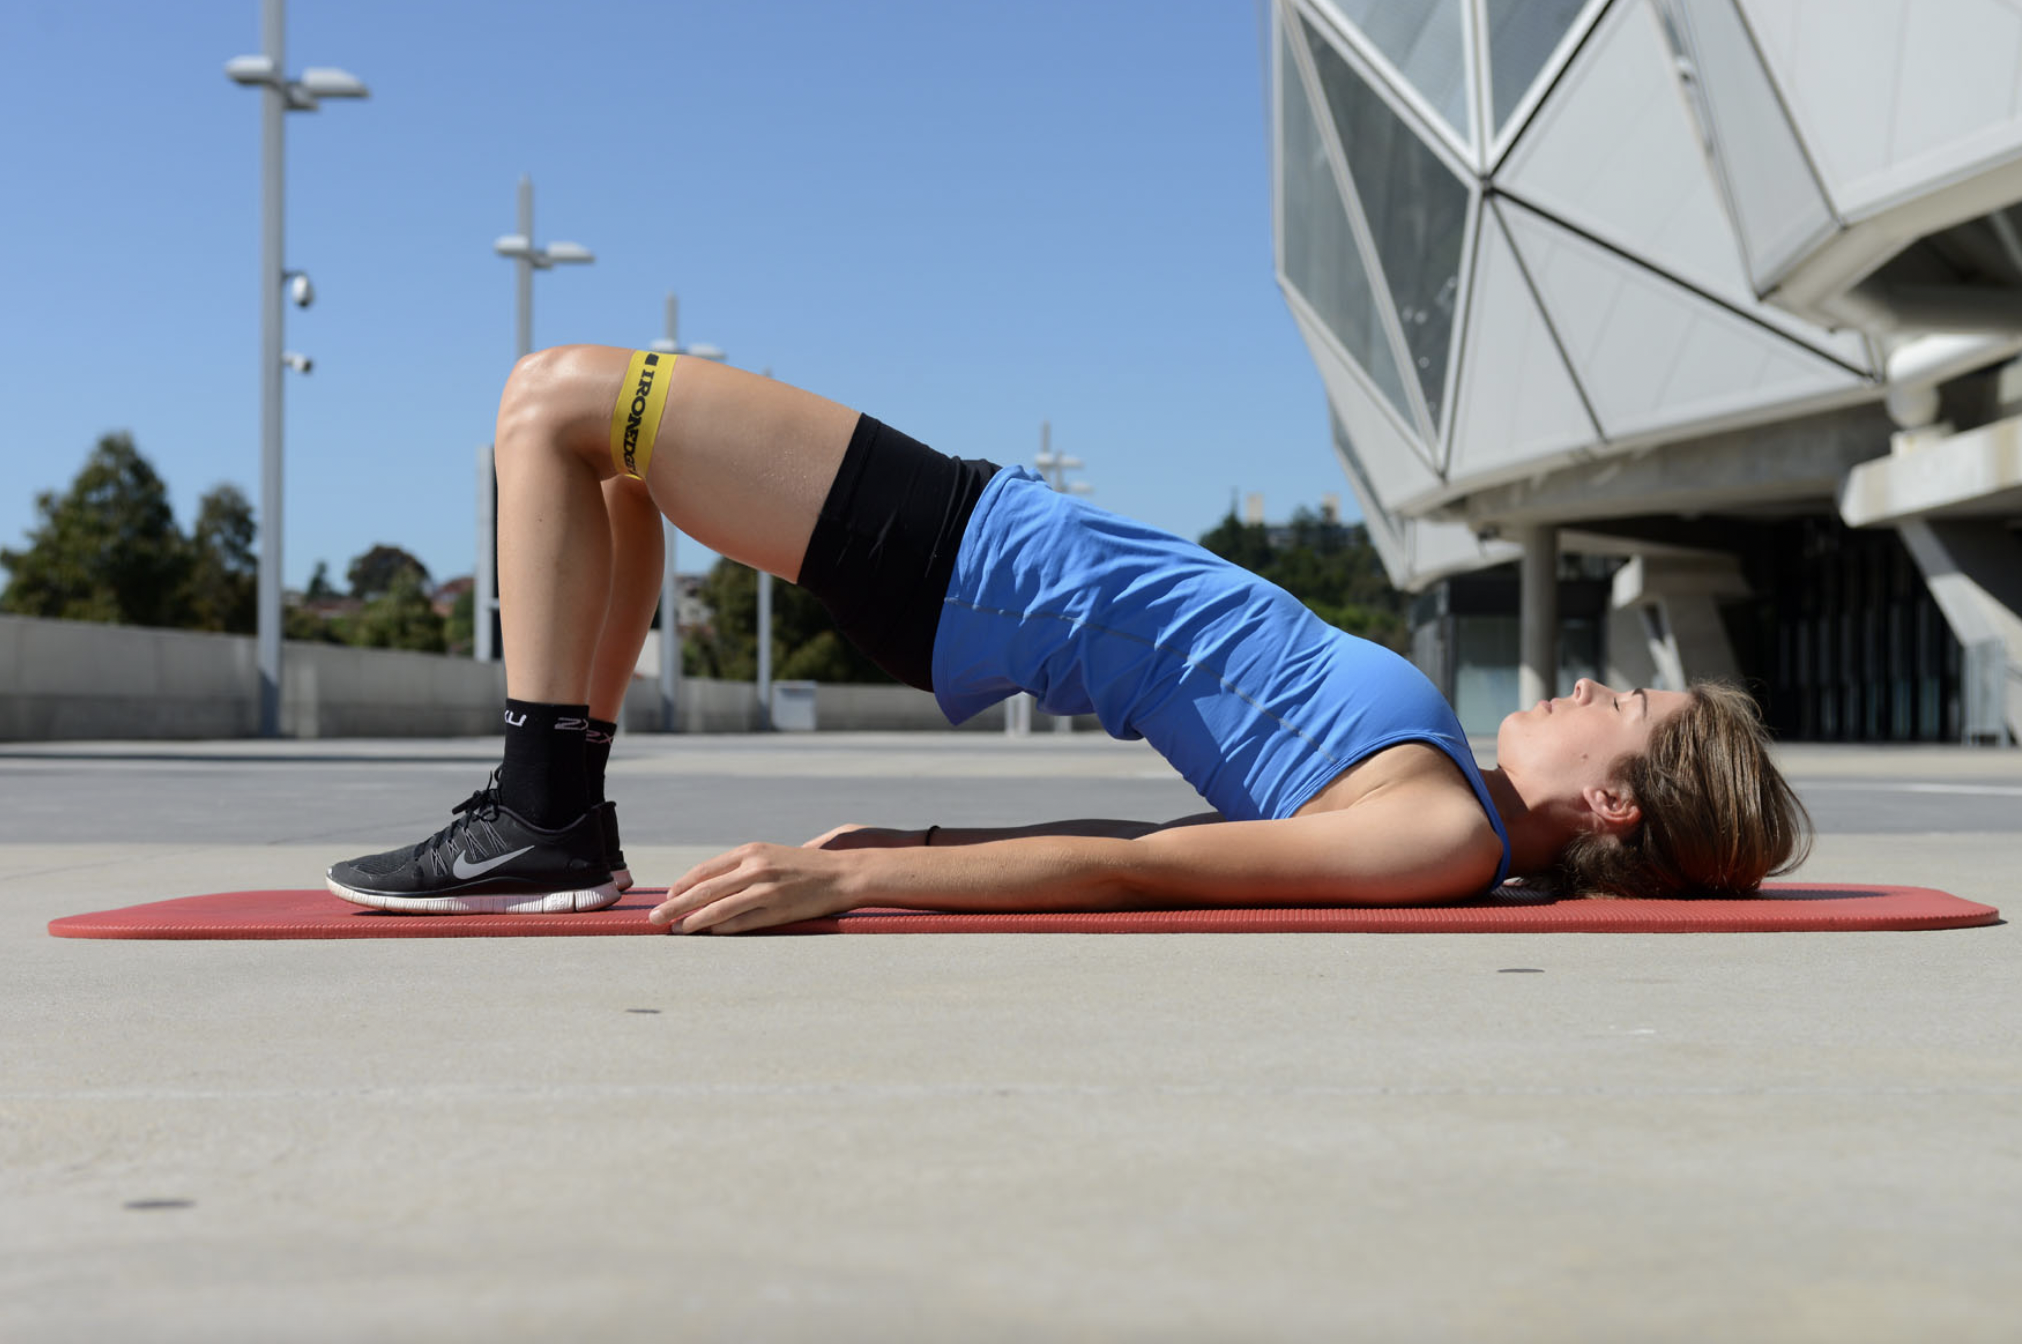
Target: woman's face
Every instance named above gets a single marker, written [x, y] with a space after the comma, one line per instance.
[1565, 745]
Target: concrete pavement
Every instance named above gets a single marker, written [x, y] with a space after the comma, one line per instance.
[1136, 1138]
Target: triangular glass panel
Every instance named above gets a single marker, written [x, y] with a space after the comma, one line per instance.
[1378, 523]
[1653, 355]
[1321, 259]
[1777, 201]
[1416, 209]
[1517, 403]
[1522, 35]
[1426, 41]
[1396, 467]
[1415, 551]
[1615, 154]
[1895, 98]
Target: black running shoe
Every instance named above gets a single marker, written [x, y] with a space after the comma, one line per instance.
[489, 861]
[613, 854]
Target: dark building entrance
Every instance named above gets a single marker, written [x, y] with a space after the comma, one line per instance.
[1842, 641]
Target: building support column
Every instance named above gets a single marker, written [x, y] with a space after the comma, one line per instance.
[1538, 615]
[1974, 571]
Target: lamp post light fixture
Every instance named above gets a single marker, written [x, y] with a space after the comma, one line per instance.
[1055, 466]
[279, 96]
[527, 257]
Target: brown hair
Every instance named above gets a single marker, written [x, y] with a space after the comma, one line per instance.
[1718, 817]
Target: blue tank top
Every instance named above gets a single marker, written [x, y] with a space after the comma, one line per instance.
[1250, 696]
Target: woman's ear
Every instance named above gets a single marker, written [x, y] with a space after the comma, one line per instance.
[1613, 807]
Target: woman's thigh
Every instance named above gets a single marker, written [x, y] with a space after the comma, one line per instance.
[742, 463]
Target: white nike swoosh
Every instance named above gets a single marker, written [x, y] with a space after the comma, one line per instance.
[465, 870]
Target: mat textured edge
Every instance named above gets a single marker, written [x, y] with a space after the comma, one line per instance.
[1784, 907]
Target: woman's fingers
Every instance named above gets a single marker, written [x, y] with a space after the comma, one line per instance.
[751, 887]
[723, 863]
[828, 837]
[710, 880]
[699, 897]
[742, 909]
[855, 836]
[746, 910]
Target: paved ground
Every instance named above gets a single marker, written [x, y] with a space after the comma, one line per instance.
[1804, 1137]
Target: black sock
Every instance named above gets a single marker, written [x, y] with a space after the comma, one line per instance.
[597, 754]
[544, 779]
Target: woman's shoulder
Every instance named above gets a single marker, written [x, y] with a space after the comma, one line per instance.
[1419, 790]
[1440, 812]
[1418, 839]
[1421, 772]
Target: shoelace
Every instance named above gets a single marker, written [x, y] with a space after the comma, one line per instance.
[485, 801]
[483, 804]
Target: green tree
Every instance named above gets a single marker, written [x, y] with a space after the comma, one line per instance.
[1329, 566]
[319, 582]
[378, 571]
[300, 623]
[106, 550]
[402, 617]
[805, 643]
[1244, 544]
[222, 590]
[460, 630]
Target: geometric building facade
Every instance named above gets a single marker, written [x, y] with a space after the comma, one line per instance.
[1578, 272]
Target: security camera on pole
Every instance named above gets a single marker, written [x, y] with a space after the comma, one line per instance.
[279, 96]
[526, 258]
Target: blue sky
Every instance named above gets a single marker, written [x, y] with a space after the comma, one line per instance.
[962, 218]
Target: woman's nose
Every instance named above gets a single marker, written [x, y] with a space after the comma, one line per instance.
[1585, 689]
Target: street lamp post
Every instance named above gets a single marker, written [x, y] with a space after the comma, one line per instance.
[1054, 467]
[670, 594]
[670, 598]
[765, 649]
[279, 96]
[527, 258]
[765, 643]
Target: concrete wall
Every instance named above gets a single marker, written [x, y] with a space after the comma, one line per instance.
[333, 691]
[76, 679]
[65, 679]
[732, 707]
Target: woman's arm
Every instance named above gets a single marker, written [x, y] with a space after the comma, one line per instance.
[1399, 850]
[880, 837]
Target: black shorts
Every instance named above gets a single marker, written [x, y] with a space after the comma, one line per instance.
[884, 547]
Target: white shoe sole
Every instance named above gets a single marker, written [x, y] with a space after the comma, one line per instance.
[485, 903]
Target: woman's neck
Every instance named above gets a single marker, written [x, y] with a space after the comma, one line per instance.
[1535, 839]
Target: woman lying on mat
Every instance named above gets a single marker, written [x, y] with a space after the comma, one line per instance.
[1338, 774]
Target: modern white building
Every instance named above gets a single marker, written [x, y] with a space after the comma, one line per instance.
[1714, 303]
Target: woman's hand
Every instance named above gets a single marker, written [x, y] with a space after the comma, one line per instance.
[757, 886]
[854, 836]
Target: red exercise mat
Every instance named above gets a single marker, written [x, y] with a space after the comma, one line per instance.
[1784, 907]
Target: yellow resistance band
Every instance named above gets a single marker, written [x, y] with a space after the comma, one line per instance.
[635, 420]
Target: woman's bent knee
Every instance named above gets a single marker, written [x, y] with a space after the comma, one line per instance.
[559, 400]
